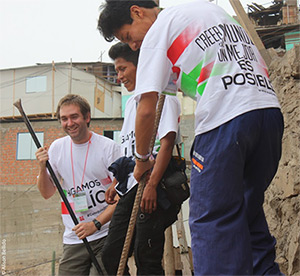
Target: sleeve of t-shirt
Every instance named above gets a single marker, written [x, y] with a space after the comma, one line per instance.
[53, 152]
[114, 154]
[154, 66]
[170, 116]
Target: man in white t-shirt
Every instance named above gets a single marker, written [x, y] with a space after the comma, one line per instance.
[80, 160]
[156, 212]
[238, 123]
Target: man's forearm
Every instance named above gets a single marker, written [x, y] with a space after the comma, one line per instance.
[106, 215]
[163, 158]
[144, 124]
[45, 185]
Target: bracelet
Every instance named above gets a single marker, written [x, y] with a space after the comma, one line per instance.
[142, 158]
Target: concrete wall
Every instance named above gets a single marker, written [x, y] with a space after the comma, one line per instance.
[31, 226]
[187, 133]
[13, 87]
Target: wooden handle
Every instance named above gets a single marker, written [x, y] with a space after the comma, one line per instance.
[18, 105]
[139, 193]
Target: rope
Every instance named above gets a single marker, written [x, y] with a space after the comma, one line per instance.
[138, 196]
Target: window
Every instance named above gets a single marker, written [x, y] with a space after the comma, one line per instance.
[26, 147]
[36, 84]
[110, 73]
[113, 134]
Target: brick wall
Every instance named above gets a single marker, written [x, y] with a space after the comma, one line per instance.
[24, 171]
[290, 14]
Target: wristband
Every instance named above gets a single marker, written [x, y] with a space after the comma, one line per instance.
[142, 158]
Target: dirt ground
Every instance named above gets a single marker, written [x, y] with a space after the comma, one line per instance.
[36, 269]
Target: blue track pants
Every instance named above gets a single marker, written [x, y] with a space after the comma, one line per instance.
[232, 166]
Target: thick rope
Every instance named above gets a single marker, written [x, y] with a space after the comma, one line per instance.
[138, 195]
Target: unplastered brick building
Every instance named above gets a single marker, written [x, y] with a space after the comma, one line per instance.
[30, 225]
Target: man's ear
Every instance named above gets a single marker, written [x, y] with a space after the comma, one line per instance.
[88, 117]
[136, 12]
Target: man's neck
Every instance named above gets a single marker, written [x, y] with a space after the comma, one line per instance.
[151, 14]
[83, 140]
[157, 10]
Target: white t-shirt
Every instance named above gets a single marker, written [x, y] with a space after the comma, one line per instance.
[102, 152]
[169, 122]
[212, 60]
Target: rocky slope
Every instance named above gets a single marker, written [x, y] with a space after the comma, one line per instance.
[282, 202]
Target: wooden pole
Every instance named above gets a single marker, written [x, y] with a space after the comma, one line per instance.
[249, 27]
[183, 246]
[53, 264]
[169, 257]
[53, 76]
[70, 77]
[181, 234]
[14, 90]
[139, 193]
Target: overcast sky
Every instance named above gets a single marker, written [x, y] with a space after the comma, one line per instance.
[39, 31]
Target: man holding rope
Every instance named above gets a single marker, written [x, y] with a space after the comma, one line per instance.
[156, 213]
[80, 160]
[238, 123]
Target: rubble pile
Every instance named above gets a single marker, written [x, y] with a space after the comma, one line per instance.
[282, 202]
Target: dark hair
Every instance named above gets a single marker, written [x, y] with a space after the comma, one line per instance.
[81, 102]
[116, 13]
[122, 50]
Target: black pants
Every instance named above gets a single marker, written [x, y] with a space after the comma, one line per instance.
[148, 240]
